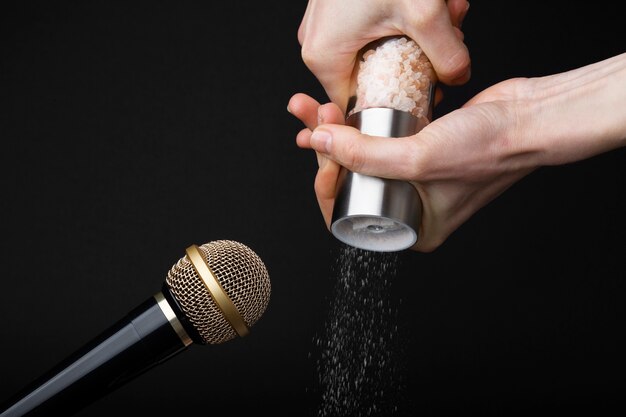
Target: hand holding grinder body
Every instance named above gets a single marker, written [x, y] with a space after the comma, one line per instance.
[465, 159]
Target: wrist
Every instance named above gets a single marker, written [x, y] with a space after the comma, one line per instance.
[577, 114]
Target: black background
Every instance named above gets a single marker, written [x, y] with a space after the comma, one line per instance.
[131, 130]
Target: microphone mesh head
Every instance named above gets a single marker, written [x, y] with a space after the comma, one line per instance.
[242, 275]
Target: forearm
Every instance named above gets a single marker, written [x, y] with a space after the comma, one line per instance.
[577, 114]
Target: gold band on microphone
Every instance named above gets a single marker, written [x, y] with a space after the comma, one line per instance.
[218, 294]
[167, 311]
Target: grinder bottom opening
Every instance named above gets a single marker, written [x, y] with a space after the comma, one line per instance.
[375, 233]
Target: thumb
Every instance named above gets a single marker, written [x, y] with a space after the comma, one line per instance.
[370, 155]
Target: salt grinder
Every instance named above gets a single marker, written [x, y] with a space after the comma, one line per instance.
[374, 213]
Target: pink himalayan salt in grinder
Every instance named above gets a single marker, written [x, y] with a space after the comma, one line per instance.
[394, 97]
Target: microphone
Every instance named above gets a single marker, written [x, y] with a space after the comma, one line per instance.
[213, 294]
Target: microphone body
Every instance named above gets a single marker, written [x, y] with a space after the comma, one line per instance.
[213, 294]
[148, 335]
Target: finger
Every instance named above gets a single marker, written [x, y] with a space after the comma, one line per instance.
[303, 24]
[438, 95]
[303, 138]
[303, 141]
[370, 155]
[312, 114]
[335, 68]
[457, 9]
[335, 78]
[326, 188]
[329, 113]
[304, 108]
[448, 54]
[459, 34]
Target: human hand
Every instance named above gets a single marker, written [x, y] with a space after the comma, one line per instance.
[463, 160]
[332, 33]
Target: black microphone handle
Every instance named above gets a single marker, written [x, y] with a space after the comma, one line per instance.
[147, 336]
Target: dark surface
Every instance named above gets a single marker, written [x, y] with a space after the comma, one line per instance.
[131, 131]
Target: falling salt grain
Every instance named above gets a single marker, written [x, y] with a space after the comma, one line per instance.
[359, 370]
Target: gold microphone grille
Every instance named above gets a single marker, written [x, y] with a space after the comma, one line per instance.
[242, 275]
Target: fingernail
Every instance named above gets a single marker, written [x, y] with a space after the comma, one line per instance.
[320, 141]
[288, 110]
[320, 117]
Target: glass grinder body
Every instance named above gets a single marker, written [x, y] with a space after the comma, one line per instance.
[381, 214]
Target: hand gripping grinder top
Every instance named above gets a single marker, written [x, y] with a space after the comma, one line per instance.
[394, 97]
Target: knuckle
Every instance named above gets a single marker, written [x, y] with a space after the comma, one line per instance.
[310, 53]
[354, 156]
[458, 63]
[424, 16]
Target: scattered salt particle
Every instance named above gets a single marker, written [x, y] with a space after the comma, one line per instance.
[360, 368]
